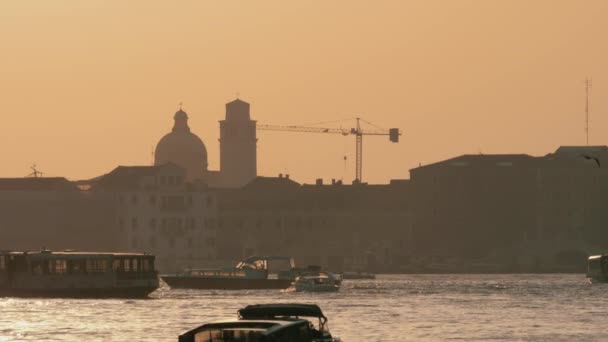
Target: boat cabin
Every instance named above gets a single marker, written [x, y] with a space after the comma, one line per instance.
[52, 272]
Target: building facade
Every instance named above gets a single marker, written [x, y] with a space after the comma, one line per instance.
[518, 210]
[339, 227]
[159, 212]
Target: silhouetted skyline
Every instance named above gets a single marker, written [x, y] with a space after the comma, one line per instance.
[89, 85]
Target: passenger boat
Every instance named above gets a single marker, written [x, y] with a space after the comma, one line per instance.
[320, 282]
[76, 274]
[358, 275]
[267, 322]
[597, 268]
[255, 272]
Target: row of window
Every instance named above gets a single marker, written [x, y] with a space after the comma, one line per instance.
[63, 266]
[170, 223]
[171, 242]
[170, 202]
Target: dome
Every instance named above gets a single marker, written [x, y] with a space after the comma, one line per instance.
[183, 148]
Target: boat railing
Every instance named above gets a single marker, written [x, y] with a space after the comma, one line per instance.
[216, 273]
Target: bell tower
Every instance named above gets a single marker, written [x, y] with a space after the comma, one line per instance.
[238, 155]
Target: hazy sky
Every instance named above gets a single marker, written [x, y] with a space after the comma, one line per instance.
[88, 85]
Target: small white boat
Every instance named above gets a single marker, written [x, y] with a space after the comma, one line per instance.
[321, 282]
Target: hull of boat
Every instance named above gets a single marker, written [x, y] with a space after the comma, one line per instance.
[186, 282]
[320, 288]
[131, 292]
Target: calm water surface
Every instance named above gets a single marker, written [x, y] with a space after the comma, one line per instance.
[390, 308]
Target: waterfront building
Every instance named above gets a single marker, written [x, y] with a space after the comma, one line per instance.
[336, 226]
[158, 211]
[52, 212]
[523, 207]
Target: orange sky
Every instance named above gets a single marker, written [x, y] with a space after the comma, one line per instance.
[88, 85]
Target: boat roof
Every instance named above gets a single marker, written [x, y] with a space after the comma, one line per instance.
[274, 310]
[73, 253]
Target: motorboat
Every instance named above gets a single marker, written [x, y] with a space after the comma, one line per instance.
[265, 323]
[319, 282]
[597, 268]
[49, 273]
[254, 272]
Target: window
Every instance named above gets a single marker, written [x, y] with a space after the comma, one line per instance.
[146, 265]
[134, 199]
[152, 224]
[96, 265]
[172, 242]
[190, 243]
[209, 201]
[152, 200]
[134, 265]
[134, 223]
[76, 266]
[134, 243]
[126, 265]
[178, 180]
[58, 266]
[37, 268]
[2, 263]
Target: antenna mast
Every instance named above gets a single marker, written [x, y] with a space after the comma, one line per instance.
[587, 89]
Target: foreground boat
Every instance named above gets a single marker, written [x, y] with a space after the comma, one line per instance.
[76, 274]
[251, 273]
[268, 322]
[597, 268]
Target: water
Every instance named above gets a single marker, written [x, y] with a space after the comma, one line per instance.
[390, 308]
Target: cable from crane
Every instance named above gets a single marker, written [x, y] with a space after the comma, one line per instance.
[326, 122]
[369, 123]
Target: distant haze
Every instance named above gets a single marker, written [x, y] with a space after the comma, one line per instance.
[88, 85]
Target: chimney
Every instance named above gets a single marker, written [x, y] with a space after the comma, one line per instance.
[319, 181]
[333, 181]
[287, 176]
[280, 175]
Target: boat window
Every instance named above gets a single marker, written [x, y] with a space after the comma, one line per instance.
[2, 263]
[57, 266]
[296, 333]
[96, 265]
[116, 265]
[126, 265]
[231, 334]
[134, 264]
[37, 268]
[146, 265]
[76, 266]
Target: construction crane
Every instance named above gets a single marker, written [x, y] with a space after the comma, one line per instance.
[358, 132]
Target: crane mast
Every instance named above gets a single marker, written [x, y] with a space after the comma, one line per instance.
[358, 132]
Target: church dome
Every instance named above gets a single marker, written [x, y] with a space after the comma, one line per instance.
[183, 148]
